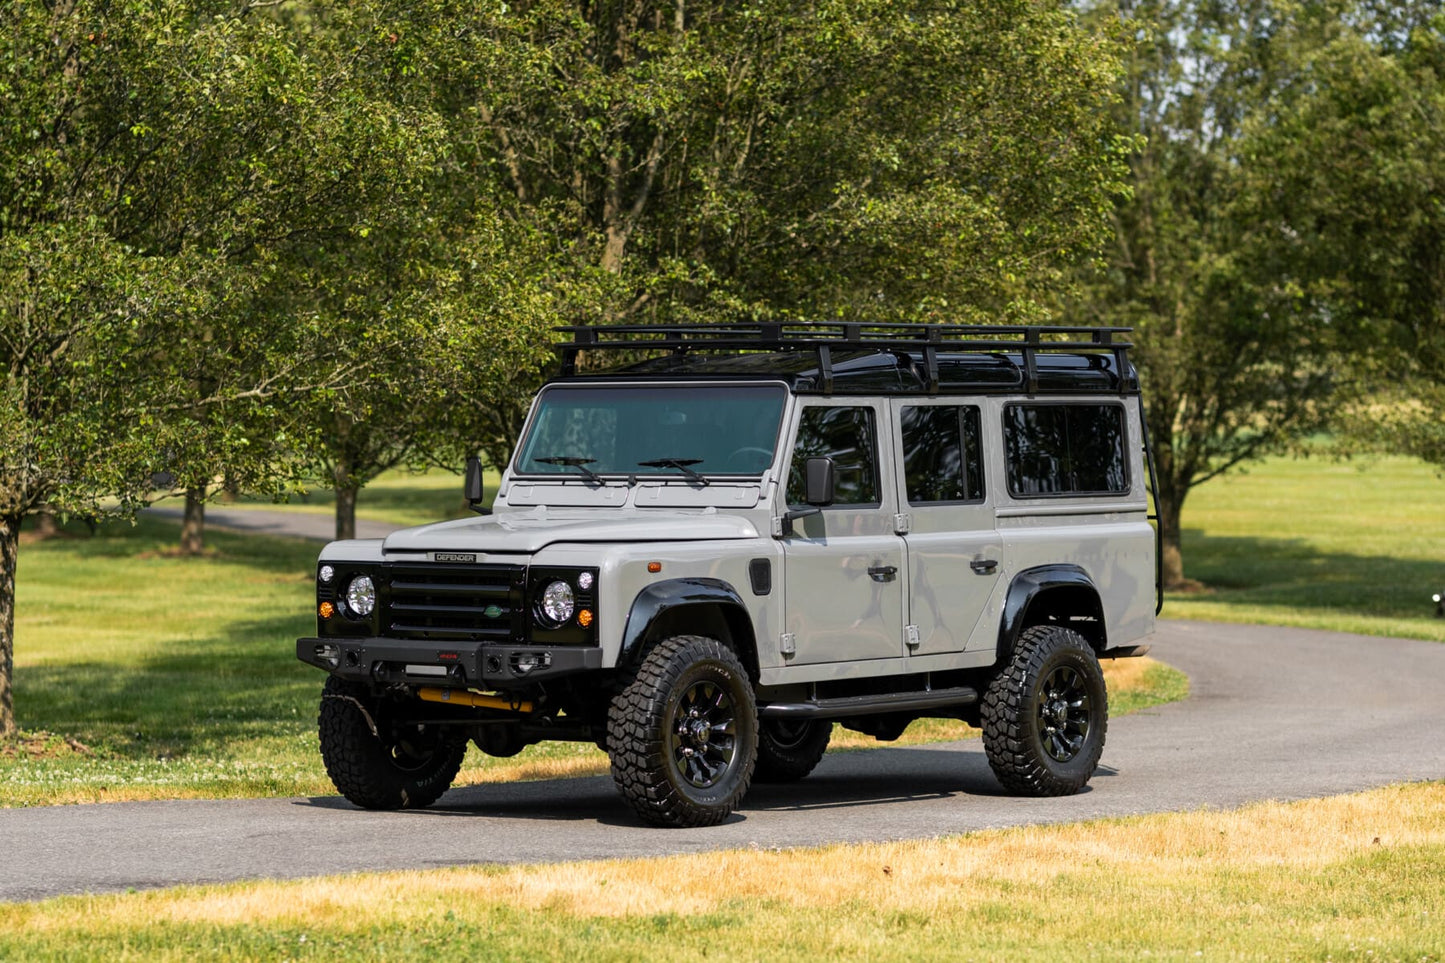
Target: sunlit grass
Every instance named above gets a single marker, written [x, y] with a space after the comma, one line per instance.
[1353, 546]
[1358, 877]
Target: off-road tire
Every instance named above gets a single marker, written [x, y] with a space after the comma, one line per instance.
[660, 729]
[789, 750]
[1051, 667]
[386, 770]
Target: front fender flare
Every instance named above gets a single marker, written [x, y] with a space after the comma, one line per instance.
[661, 597]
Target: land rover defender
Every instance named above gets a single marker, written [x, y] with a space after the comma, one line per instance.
[714, 543]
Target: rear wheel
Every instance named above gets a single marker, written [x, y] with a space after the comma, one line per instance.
[683, 735]
[378, 761]
[789, 749]
[1044, 716]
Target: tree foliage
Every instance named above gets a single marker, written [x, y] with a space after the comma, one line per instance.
[1241, 256]
[158, 158]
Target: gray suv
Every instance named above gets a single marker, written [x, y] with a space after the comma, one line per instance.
[715, 542]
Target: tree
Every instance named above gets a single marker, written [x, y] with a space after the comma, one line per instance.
[1237, 352]
[156, 155]
[1346, 176]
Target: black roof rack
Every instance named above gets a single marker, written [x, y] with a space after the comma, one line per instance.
[824, 338]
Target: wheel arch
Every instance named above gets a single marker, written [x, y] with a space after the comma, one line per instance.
[1061, 594]
[689, 606]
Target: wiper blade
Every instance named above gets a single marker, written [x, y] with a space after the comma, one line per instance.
[683, 465]
[573, 461]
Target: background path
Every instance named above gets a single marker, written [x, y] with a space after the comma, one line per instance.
[1275, 713]
[262, 521]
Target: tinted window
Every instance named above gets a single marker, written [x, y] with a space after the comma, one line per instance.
[1065, 449]
[730, 430]
[941, 458]
[846, 435]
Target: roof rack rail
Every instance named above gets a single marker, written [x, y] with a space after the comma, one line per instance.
[824, 337]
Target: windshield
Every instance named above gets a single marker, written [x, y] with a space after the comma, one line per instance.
[682, 430]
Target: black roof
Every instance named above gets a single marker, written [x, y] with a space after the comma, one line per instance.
[850, 358]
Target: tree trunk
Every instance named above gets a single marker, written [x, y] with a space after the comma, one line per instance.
[1168, 506]
[46, 525]
[346, 511]
[9, 551]
[193, 525]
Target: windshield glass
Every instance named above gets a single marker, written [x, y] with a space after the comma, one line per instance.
[683, 430]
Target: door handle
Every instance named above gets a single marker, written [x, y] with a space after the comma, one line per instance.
[984, 566]
[883, 573]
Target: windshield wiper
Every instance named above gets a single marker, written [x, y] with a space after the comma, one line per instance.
[573, 461]
[681, 464]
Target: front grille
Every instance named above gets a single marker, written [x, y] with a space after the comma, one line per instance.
[452, 602]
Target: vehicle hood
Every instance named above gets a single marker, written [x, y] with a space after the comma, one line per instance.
[529, 532]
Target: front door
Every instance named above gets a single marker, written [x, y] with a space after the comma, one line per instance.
[954, 549]
[843, 568]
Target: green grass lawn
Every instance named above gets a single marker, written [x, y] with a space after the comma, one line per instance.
[1348, 546]
[398, 496]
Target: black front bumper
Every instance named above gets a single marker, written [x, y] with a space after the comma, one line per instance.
[478, 665]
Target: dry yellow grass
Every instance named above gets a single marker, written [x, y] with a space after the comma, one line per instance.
[928, 876]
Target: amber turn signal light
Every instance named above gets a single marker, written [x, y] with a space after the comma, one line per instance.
[584, 618]
[327, 610]
[654, 567]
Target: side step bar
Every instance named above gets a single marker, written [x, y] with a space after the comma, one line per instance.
[1125, 651]
[868, 705]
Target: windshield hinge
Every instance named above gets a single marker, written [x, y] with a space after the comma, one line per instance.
[902, 522]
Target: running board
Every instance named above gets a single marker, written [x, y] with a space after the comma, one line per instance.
[869, 705]
[1126, 651]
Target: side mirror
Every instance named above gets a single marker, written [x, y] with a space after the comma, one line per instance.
[819, 481]
[472, 488]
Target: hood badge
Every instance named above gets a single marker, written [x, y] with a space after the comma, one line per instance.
[467, 557]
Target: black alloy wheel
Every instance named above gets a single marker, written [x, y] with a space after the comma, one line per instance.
[1045, 714]
[683, 734]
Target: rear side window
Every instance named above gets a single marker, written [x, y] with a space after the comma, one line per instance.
[847, 436]
[941, 458]
[1065, 449]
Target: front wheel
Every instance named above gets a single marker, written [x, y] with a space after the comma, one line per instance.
[378, 761]
[683, 735]
[1044, 716]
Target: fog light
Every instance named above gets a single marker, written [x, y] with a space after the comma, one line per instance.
[525, 662]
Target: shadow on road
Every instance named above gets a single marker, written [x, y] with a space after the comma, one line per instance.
[875, 777]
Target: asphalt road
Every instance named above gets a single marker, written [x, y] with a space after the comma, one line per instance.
[1275, 714]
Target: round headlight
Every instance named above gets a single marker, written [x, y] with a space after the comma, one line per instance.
[361, 595]
[326, 574]
[557, 603]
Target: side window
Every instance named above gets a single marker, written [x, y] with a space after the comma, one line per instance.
[942, 461]
[847, 436]
[1065, 449]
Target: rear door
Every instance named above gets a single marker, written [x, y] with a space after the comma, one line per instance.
[953, 546]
